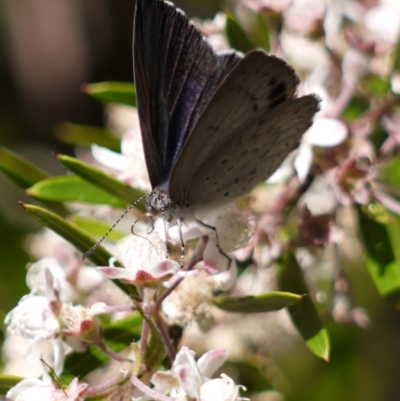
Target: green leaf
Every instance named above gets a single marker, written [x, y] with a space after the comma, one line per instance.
[268, 302]
[113, 92]
[355, 109]
[70, 232]
[118, 336]
[70, 188]
[236, 35]
[260, 36]
[7, 382]
[102, 180]
[19, 170]
[96, 227]
[319, 344]
[304, 315]
[155, 349]
[377, 86]
[382, 243]
[390, 171]
[86, 135]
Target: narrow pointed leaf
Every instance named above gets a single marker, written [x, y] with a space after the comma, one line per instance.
[268, 302]
[237, 37]
[381, 241]
[70, 188]
[260, 35]
[96, 227]
[304, 315]
[86, 135]
[118, 336]
[113, 92]
[73, 234]
[102, 180]
[20, 171]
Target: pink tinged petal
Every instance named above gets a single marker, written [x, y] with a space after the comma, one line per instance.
[75, 390]
[226, 280]
[164, 267]
[327, 132]
[185, 356]
[211, 361]
[189, 381]
[117, 273]
[303, 162]
[164, 381]
[187, 371]
[140, 277]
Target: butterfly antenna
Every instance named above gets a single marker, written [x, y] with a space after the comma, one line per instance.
[97, 244]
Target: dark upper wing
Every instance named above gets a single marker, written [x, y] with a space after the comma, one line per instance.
[246, 130]
[176, 73]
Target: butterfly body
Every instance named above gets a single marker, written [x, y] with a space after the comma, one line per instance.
[213, 125]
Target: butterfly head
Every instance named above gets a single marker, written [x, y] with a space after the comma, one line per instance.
[158, 201]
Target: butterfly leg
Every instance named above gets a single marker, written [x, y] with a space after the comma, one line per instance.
[217, 242]
[179, 222]
[166, 230]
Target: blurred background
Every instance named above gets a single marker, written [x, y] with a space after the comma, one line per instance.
[48, 49]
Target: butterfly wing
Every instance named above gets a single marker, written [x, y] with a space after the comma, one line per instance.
[247, 129]
[176, 73]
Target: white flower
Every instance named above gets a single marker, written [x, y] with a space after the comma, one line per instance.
[33, 318]
[325, 132]
[187, 375]
[36, 280]
[384, 21]
[145, 260]
[224, 225]
[223, 389]
[304, 16]
[80, 322]
[130, 163]
[22, 356]
[45, 390]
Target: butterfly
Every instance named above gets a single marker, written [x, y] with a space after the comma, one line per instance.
[214, 125]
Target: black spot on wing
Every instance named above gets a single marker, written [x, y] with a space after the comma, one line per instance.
[277, 90]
